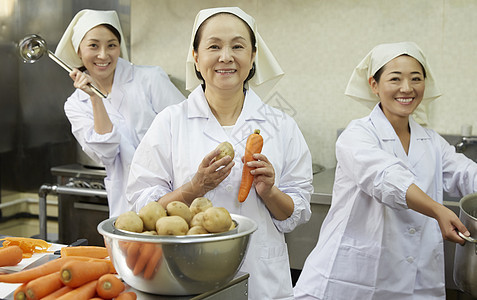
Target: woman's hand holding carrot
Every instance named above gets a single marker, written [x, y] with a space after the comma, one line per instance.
[263, 174]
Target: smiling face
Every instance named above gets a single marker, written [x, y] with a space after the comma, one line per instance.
[224, 55]
[99, 50]
[400, 87]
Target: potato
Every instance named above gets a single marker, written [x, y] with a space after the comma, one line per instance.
[217, 219]
[197, 219]
[129, 221]
[150, 232]
[171, 225]
[225, 149]
[200, 204]
[150, 213]
[197, 230]
[177, 208]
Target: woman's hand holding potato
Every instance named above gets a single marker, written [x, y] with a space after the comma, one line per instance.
[211, 172]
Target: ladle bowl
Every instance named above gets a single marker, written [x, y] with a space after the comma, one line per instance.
[32, 47]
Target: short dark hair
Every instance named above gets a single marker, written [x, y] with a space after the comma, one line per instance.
[198, 36]
[377, 75]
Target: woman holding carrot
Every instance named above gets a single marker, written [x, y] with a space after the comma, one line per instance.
[228, 68]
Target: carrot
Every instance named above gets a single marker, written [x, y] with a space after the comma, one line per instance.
[27, 275]
[47, 268]
[87, 251]
[10, 256]
[153, 264]
[127, 296]
[20, 292]
[145, 253]
[132, 254]
[83, 292]
[43, 286]
[254, 145]
[109, 286]
[60, 292]
[76, 273]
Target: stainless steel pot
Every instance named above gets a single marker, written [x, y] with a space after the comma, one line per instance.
[465, 259]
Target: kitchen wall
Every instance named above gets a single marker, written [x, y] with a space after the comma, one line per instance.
[319, 42]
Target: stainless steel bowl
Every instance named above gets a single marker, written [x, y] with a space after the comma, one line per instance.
[178, 265]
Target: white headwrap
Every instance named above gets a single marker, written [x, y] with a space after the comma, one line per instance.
[267, 70]
[84, 21]
[358, 86]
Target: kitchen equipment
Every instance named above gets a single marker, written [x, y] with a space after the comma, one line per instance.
[82, 203]
[188, 265]
[465, 259]
[32, 47]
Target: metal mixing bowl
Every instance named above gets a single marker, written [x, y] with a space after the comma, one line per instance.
[178, 265]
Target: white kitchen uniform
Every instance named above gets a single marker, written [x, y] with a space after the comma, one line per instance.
[371, 246]
[177, 142]
[138, 94]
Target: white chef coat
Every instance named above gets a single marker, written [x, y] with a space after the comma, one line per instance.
[138, 94]
[371, 246]
[178, 140]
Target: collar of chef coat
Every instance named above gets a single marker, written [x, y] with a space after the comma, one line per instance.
[122, 75]
[250, 115]
[385, 132]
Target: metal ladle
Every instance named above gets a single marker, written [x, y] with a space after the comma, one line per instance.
[32, 47]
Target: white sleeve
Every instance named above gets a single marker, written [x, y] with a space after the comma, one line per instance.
[378, 173]
[296, 178]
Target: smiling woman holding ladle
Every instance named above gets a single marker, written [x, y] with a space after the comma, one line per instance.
[114, 102]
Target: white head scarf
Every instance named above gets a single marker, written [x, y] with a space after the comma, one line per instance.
[267, 70]
[84, 21]
[358, 86]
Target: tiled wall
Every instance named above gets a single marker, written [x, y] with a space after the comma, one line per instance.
[319, 42]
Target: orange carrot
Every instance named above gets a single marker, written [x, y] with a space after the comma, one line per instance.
[20, 292]
[145, 253]
[76, 273]
[153, 263]
[60, 292]
[10, 256]
[127, 296]
[48, 268]
[87, 251]
[254, 145]
[27, 275]
[132, 254]
[43, 286]
[83, 292]
[109, 286]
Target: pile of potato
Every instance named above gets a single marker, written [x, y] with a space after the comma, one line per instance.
[177, 219]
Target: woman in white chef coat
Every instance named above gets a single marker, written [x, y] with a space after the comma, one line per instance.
[383, 235]
[109, 130]
[175, 160]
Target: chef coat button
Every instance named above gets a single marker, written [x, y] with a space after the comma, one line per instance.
[229, 188]
[412, 231]
[410, 259]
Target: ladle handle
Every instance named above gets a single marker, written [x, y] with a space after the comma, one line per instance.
[467, 238]
[68, 68]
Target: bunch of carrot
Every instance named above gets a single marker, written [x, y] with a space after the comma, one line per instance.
[70, 277]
